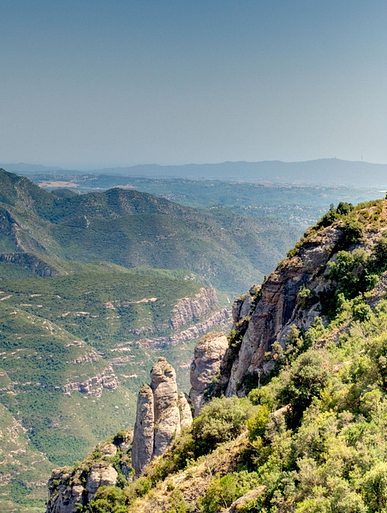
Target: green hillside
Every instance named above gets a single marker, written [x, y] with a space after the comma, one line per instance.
[131, 229]
[65, 331]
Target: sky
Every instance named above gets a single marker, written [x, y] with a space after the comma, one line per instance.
[97, 83]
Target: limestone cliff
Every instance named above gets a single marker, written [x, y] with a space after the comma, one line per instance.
[208, 355]
[161, 415]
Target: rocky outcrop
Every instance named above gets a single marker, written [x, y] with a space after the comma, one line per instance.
[161, 415]
[208, 355]
[69, 487]
[101, 474]
[185, 411]
[290, 296]
[217, 318]
[167, 415]
[143, 439]
[189, 309]
[93, 386]
[276, 308]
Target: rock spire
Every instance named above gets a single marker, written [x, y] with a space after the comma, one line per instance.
[161, 415]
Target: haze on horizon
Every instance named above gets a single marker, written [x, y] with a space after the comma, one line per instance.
[102, 83]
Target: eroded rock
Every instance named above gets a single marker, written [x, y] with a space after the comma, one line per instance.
[161, 415]
[143, 437]
[208, 355]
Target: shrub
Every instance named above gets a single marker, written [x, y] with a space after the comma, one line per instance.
[256, 425]
[308, 376]
[352, 233]
[223, 491]
[220, 420]
[380, 256]
[109, 499]
[375, 487]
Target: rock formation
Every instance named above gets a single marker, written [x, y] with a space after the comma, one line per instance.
[289, 297]
[71, 486]
[220, 317]
[190, 309]
[208, 355]
[161, 415]
[94, 386]
[143, 440]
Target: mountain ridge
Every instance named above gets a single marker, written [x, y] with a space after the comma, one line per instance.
[323, 171]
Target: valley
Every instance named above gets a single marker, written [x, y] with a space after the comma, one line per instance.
[95, 286]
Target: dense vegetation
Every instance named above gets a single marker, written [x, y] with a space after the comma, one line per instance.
[315, 439]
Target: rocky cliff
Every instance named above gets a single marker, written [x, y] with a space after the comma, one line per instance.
[161, 414]
[300, 289]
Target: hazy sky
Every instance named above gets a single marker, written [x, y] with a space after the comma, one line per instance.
[114, 82]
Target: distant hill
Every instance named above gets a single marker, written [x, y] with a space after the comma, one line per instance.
[325, 172]
[132, 229]
[312, 172]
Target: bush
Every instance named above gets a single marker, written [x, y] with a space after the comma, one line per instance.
[308, 376]
[352, 233]
[256, 425]
[223, 491]
[109, 499]
[220, 420]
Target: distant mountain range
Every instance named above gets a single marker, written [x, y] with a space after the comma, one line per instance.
[314, 172]
[132, 229]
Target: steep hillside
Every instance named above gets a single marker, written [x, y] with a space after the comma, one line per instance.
[311, 436]
[132, 229]
[74, 350]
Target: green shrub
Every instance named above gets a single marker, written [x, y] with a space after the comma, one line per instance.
[375, 487]
[142, 486]
[256, 424]
[109, 499]
[223, 491]
[308, 377]
[220, 420]
[177, 502]
[352, 233]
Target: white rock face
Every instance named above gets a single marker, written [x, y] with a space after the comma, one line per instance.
[208, 355]
[161, 415]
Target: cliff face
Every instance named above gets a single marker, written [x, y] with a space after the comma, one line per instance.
[290, 296]
[193, 308]
[161, 414]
